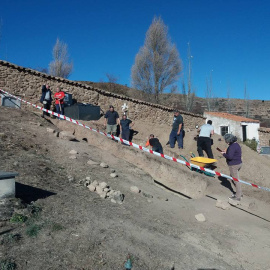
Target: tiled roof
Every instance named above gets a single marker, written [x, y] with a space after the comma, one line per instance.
[232, 117]
[265, 130]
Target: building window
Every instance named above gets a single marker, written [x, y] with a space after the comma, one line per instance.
[224, 130]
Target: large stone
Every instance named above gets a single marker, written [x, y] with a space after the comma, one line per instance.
[65, 135]
[95, 183]
[91, 162]
[134, 189]
[73, 152]
[92, 187]
[222, 204]
[200, 217]
[113, 175]
[118, 197]
[103, 195]
[50, 130]
[104, 165]
[99, 190]
[103, 185]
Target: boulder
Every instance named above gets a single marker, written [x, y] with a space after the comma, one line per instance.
[103, 185]
[134, 189]
[50, 130]
[200, 217]
[95, 183]
[92, 188]
[104, 165]
[73, 152]
[99, 190]
[91, 162]
[222, 204]
[113, 175]
[103, 195]
[65, 135]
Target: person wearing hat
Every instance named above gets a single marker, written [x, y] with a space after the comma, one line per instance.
[111, 121]
[177, 130]
[233, 155]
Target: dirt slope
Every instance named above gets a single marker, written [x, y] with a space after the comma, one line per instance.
[79, 230]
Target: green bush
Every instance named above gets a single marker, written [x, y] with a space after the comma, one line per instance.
[252, 144]
[34, 210]
[10, 238]
[33, 230]
[7, 265]
[18, 218]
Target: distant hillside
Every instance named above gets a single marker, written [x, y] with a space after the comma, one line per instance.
[258, 109]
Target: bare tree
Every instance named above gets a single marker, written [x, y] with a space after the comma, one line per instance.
[112, 79]
[157, 64]
[60, 66]
[246, 97]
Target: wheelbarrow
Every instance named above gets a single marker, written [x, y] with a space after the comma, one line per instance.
[201, 162]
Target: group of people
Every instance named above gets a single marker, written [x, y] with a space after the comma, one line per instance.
[204, 141]
[47, 100]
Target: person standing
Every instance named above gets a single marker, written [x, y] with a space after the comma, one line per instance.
[111, 120]
[59, 101]
[177, 130]
[233, 155]
[125, 125]
[204, 141]
[154, 142]
[46, 99]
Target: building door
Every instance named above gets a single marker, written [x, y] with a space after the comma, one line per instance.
[244, 132]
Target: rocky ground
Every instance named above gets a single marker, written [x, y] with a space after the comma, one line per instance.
[70, 227]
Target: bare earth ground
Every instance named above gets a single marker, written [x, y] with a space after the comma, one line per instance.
[82, 231]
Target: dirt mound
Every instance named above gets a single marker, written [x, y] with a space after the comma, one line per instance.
[69, 227]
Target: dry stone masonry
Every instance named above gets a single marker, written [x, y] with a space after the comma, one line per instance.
[27, 83]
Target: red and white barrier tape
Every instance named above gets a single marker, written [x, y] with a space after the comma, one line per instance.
[136, 145]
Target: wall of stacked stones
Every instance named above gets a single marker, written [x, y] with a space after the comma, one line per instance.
[264, 135]
[27, 83]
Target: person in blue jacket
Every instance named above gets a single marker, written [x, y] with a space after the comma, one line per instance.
[46, 99]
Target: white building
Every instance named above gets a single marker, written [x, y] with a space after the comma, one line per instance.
[242, 127]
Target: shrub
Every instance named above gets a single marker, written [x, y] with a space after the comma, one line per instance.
[10, 238]
[18, 218]
[56, 227]
[34, 210]
[33, 230]
[252, 144]
[7, 265]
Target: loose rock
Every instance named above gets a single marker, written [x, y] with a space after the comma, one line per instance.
[91, 162]
[222, 204]
[99, 190]
[88, 178]
[92, 188]
[118, 197]
[50, 130]
[113, 200]
[103, 195]
[95, 183]
[73, 152]
[113, 175]
[103, 185]
[65, 135]
[104, 165]
[134, 189]
[200, 217]
[112, 170]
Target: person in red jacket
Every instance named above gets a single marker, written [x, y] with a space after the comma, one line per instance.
[59, 100]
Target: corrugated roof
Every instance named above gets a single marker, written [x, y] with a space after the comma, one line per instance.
[233, 117]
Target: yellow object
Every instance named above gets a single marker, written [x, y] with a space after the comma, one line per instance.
[202, 161]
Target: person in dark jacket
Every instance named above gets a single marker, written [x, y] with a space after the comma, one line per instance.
[154, 142]
[233, 155]
[125, 125]
[46, 98]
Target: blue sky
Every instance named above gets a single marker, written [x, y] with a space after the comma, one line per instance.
[229, 39]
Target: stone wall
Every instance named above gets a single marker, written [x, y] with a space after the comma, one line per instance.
[264, 135]
[27, 83]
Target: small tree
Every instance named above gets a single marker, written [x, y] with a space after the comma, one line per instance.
[157, 64]
[112, 79]
[60, 66]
